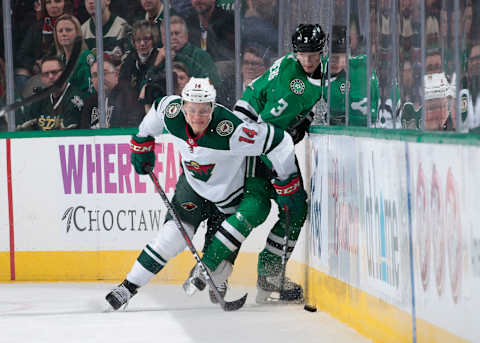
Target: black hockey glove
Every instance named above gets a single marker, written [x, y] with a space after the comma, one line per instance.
[301, 127]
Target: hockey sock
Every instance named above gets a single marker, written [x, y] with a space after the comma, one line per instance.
[148, 263]
[228, 239]
[270, 259]
[268, 263]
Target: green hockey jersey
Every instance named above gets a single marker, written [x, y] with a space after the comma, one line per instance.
[283, 95]
[214, 162]
[80, 77]
[55, 114]
[357, 94]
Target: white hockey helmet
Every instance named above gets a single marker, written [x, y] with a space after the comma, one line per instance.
[199, 90]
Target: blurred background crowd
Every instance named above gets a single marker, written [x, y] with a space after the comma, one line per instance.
[428, 81]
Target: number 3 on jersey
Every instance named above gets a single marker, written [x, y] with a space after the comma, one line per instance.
[278, 109]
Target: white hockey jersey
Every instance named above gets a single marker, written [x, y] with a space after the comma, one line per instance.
[214, 163]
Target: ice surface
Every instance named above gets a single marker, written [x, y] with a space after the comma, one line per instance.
[74, 312]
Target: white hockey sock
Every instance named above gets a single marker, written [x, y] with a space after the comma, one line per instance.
[139, 275]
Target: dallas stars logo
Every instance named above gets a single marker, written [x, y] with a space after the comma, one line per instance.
[77, 102]
[198, 171]
[297, 86]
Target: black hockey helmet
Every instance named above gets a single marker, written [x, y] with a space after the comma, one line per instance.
[308, 38]
[339, 39]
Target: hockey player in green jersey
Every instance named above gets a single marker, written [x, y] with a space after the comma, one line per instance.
[283, 96]
[357, 113]
[214, 144]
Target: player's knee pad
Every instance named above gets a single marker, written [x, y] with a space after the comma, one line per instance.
[254, 209]
[170, 242]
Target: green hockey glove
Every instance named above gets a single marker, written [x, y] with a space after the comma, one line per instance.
[290, 192]
[142, 153]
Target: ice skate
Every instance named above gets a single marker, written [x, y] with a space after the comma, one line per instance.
[121, 295]
[222, 289]
[269, 290]
[197, 281]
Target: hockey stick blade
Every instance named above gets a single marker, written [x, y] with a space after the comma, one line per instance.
[226, 305]
[69, 68]
[229, 306]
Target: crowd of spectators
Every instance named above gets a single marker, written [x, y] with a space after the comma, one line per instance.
[202, 45]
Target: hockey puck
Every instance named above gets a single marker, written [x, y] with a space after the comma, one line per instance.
[310, 308]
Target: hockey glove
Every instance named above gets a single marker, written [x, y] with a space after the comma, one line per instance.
[142, 153]
[290, 192]
[301, 127]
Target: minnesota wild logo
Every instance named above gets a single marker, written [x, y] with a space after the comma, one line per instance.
[224, 128]
[297, 86]
[172, 110]
[198, 171]
[189, 206]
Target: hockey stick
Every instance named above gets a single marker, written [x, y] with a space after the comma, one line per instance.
[226, 305]
[285, 249]
[58, 85]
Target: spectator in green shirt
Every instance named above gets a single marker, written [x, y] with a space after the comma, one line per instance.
[67, 29]
[198, 61]
[62, 109]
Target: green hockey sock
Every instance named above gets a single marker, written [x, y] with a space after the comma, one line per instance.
[228, 239]
[269, 263]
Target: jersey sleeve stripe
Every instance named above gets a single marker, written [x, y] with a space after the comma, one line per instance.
[268, 139]
[245, 108]
[277, 138]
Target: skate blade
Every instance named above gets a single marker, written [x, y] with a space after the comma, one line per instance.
[273, 298]
[107, 307]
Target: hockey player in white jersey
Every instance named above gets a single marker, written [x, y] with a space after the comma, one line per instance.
[214, 144]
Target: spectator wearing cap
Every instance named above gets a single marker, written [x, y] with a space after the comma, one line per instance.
[211, 29]
[145, 38]
[62, 109]
[121, 106]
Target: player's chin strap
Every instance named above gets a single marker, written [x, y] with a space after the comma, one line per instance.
[58, 85]
[226, 305]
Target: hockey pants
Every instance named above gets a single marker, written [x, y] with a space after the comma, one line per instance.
[253, 211]
[191, 209]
